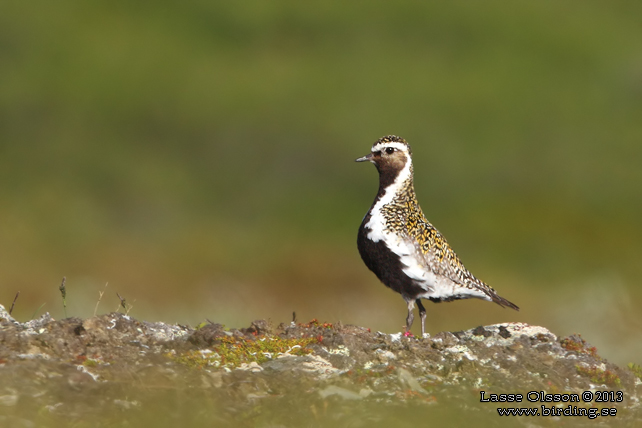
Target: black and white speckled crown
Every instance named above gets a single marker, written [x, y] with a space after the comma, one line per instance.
[392, 139]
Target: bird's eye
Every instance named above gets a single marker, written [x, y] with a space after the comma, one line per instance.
[390, 150]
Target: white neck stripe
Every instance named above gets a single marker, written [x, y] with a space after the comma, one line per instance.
[375, 224]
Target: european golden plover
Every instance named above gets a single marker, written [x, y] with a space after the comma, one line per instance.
[402, 248]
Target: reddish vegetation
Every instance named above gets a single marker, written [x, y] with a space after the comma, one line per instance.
[575, 343]
[598, 375]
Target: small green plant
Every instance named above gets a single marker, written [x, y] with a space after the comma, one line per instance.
[597, 375]
[636, 369]
[90, 363]
[201, 325]
[37, 310]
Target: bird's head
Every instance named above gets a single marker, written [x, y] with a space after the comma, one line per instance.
[390, 154]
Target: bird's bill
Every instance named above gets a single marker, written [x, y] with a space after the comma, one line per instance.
[364, 158]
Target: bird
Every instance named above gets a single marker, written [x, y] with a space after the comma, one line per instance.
[402, 248]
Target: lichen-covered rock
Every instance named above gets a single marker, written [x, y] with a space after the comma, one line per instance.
[297, 374]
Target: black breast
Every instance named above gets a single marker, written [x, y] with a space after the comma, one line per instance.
[385, 264]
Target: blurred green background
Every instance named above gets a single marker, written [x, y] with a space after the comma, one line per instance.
[198, 157]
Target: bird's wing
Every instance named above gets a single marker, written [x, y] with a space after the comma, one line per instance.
[440, 259]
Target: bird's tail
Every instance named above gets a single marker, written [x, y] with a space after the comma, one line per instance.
[502, 302]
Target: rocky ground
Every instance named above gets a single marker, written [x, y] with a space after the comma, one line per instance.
[113, 370]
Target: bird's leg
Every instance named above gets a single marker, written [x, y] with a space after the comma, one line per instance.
[411, 316]
[422, 315]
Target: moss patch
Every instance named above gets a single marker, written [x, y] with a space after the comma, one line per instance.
[598, 375]
[636, 369]
[232, 351]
